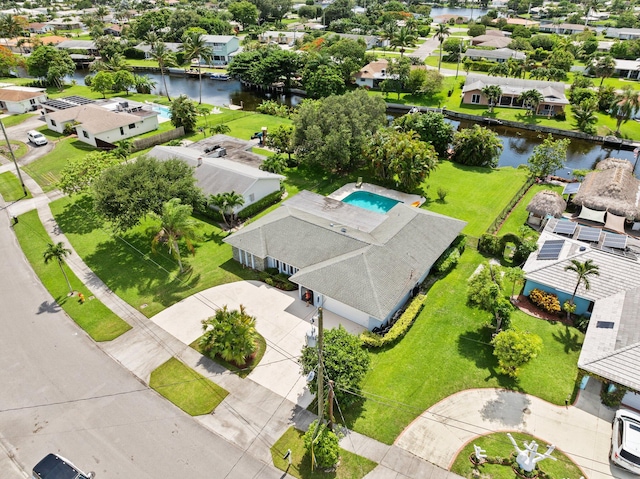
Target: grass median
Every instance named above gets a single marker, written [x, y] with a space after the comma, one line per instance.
[92, 315]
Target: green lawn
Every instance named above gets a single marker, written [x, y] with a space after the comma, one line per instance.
[476, 195]
[498, 445]
[190, 391]
[11, 189]
[14, 120]
[446, 351]
[261, 347]
[46, 170]
[19, 149]
[519, 214]
[92, 316]
[148, 281]
[351, 465]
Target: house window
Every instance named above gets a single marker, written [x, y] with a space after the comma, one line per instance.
[53, 123]
[33, 101]
[84, 132]
[475, 98]
[132, 126]
[252, 198]
[121, 130]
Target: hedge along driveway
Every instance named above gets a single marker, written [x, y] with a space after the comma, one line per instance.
[146, 280]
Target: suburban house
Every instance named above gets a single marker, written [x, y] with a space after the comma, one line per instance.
[114, 30]
[223, 46]
[447, 18]
[563, 28]
[101, 124]
[357, 263]
[40, 28]
[372, 74]
[87, 47]
[281, 38]
[623, 33]
[216, 173]
[491, 41]
[499, 56]
[519, 21]
[629, 69]
[17, 99]
[553, 92]
[66, 23]
[611, 348]
[173, 47]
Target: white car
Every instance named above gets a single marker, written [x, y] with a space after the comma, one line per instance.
[57, 467]
[37, 138]
[625, 441]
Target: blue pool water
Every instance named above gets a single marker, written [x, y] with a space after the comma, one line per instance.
[163, 111]
[370, 201]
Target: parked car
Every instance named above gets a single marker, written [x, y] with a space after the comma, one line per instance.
[625, 440]
[57, 467]
[37, 138]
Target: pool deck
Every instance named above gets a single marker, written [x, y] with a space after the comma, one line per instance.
[161, 119]
[349, 188]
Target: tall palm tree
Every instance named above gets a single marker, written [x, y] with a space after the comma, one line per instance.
[404, 38]
[165, 58]
[58, 252]
[531, 99]
[604, 67]
[441, 34]
[176, 223]
[195, 48]
[389, 31]
[585, 115]
[493, 94]
[583, 270]
[624, 106]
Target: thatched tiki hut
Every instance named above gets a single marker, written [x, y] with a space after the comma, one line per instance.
[544, 203]
[611, 187]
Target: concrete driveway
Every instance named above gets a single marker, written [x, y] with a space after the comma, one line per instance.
[281, 318]
[583, 431]
[19, 133]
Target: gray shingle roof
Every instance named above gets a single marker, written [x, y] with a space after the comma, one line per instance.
[368, 270]
[553, 92]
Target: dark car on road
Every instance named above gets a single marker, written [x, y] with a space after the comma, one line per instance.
[57, 467]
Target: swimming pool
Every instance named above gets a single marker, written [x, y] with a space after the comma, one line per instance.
[163, 111]
[370, 201]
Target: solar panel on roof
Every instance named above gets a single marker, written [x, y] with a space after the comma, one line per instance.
[587, 233]
[58, 105]
[80, 100]
[571, 188]
[612, 240]
[551, 249]
[565, 228]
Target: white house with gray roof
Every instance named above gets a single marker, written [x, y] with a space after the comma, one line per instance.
[499, 55]
[611, 347]
[216, 175]
[356, 263]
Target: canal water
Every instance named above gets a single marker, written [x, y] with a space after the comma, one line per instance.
[518, 144]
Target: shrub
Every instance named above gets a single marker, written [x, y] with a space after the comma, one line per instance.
[399, 329]
[561, 116]
[255, 208]
[546, 301]
[326, 449]
[447, 261]
[133, 53]
[490, 244]
[613, 398]
[442, 194]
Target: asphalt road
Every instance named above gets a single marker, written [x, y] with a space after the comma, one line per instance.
[60, 393]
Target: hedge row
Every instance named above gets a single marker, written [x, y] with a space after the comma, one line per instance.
[398, 330]
[260, 205]
[449, 259]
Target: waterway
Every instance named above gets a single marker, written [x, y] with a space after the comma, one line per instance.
[471, 13]
[518, 144]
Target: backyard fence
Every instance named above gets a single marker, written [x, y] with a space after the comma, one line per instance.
[497, 223]
[142, 143]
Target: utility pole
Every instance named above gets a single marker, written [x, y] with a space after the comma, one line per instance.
[320, 370]
[24, 188]
[330, 399]
[459, 57]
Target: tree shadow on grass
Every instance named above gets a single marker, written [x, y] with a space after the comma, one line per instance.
[475, 345]
[79, 217]
[570, 340]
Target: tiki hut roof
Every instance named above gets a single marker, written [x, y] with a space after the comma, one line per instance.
[611, 187]
[547, 202]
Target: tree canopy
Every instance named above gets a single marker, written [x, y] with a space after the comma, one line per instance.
[432, 128]
[514, 349]
[126, 193]
[231, 334]
[50, 64]
[548, 157]
[80, 172]
[476, 146]
[184, 113]
[332, 132]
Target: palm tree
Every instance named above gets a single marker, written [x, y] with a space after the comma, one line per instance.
[624, 106]
[585, 115]
[389, 31]
[231, 335]
[493, 94]
[404, 38]
[165, 58]
[58, 252]
[195, 47]
[441, 34]
[583, 270]
[176, 223]
[531, 99]
[144, 84]
[604, 67]
[226, 203]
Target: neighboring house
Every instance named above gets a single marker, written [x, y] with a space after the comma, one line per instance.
[115, 30]
[553, 92]
[146, 48]
[519, 21]
[223, 46]
[372, 74]
[281, 38]
[40, 28]
[102, 124]
[447, 18]
[216, 173]
[87, 47]
[611, 347]
[369, 40]
[15, 99]
[491, 41]
[499, 56]
[623, 33]
[629, 69]
[356, 263]
[68, 25]
[562, 28]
